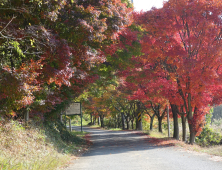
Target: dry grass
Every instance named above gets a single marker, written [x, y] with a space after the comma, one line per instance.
[30, 148]
[161, 139]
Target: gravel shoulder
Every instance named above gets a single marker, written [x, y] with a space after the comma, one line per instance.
[128, 150]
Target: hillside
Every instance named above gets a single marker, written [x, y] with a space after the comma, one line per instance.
[37, 146]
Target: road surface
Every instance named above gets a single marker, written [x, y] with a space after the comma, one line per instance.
[126, 150]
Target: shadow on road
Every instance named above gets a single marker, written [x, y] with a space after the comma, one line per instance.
[106, 142]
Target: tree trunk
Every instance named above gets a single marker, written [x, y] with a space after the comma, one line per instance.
[184, 128]
[192, 127]
[118, 122]
[190, 118]
[132, 123]
[115, 122]
[151, 121]
[192, 134]
[160, 124]
[101, 120]
[175, 121]
[91, 118]
[137, 124]
[123, 121]
[127, 123]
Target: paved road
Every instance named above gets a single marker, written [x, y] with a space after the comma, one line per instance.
[122, 150]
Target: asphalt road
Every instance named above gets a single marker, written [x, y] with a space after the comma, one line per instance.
[126, 150]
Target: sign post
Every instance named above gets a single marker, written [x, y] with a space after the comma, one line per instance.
[81, 115]
[75, 108]
[65, 118]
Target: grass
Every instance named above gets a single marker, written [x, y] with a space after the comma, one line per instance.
[115, 129]
[79, 133]
[37, 147]
[214, 150]
[163, 140]
[155, 134]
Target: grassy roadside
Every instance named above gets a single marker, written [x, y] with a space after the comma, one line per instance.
[162, 139]
[36, 147]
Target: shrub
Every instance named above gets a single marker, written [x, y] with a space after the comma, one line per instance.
[208, 135]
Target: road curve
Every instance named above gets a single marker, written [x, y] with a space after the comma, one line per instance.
[126, 150]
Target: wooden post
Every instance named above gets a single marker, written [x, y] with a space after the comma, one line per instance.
[81, 115]
[65, 119]
[168, 121]
[26, 116]
[91, 118]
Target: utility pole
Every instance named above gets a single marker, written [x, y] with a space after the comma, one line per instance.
[27, 116]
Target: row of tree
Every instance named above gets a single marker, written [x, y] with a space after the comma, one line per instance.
[50, 50]
[170, 56]
[120, 61]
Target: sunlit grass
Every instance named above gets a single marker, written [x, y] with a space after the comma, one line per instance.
[155, 134]
[35, 147]
[49, 162]
[79, 133]
[115, 129]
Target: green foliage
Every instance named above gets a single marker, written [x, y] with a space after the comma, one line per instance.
[77, 120]
[53, 50]
[109, 123]
[208, 135]
[58, 130]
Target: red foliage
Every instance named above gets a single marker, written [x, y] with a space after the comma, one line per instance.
[181, 48]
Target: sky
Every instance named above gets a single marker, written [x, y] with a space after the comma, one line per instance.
[146, 5]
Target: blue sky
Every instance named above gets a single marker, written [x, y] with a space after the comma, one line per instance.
[147, 4]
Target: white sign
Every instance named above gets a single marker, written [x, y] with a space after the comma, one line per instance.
[74, 109]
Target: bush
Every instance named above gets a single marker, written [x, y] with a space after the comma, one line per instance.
[57, 130]
[208, 135]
